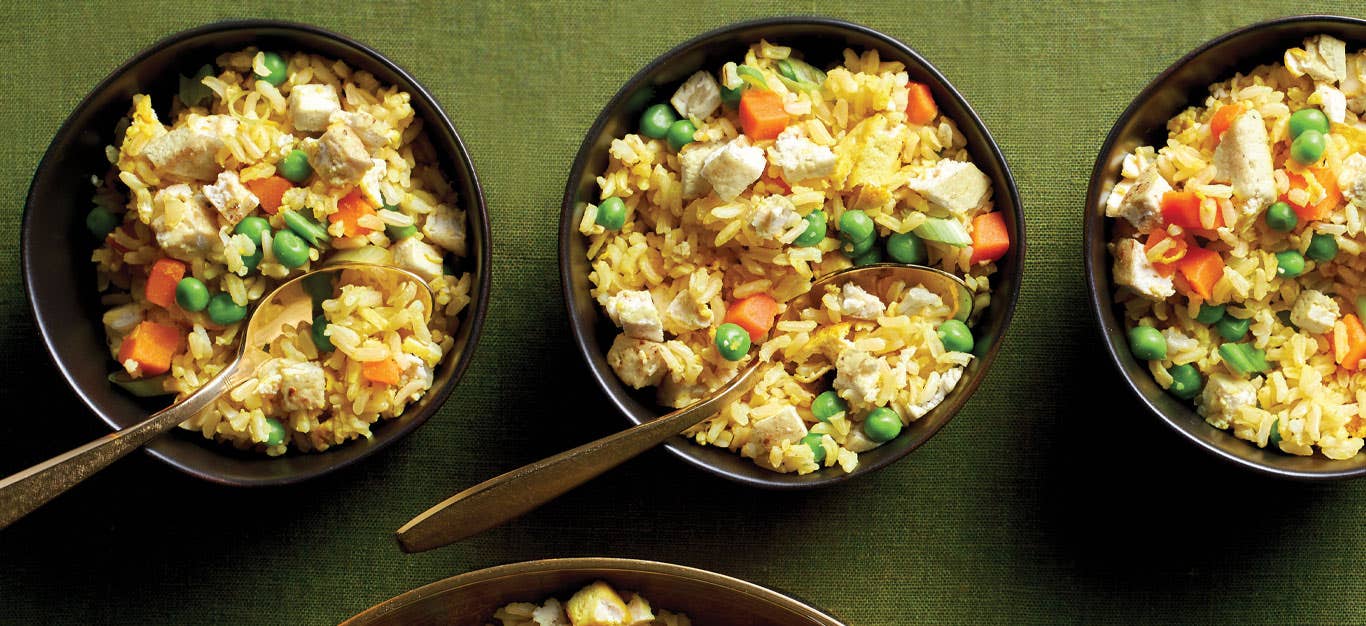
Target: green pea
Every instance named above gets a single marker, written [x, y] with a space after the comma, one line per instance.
[396, 233]
[1232, 328]
[656, 120]
[320, 339]
[318, 287]
[731, 97]
[1307, 119]
[1308, 147]
[856, 249]
[101, 222]
[873, 255]
[305, 227]
[1289, 263]
[1274, 438]
[906, 248]
[883, 424]
[827, 405]
[1147, 343]
[1210, 313]
[813, 441]
[277, 70]
[191, 294]
[252, 260]
[290, 250]
[252, 227]
[855, 226]
[815, 230]
[680, 134]
[1186, 381]
[1281, 218]
[956, 336]
[1322, 248]
[277, 432]
[295, 167]
[223, 311]
[732, 341]
[611, 213]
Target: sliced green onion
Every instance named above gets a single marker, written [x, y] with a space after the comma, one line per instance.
[946, 231]
[752, 76]
[800, 75]
[374, 255]
[1243, 359]
[193, 91]
[305, 227]
[142, 387]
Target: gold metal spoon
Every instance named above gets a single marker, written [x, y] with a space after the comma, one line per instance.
[505, 497]
[280, 311]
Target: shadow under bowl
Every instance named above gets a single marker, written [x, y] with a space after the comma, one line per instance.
[822, 42]
[59, 278]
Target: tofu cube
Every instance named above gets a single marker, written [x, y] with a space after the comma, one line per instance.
[855, 301]
[1142, 205]
[1134, 270]
[418, 257]
[190, 151]
[231, 198]
[1352, 178]
[184, 227]
[733, 168]
[302, 387]
[445, 227]
[311, 106]
[692, 157]
[1314, 312]
[1223, 396]
[372, 132]
[697, 97]
[635, 313]
[597, 605]
[800, 158]
[637, 362]
[784, 426]
[957, 186]
[858, 376]
[773, 216]
[919, 301]
[1243, 158]
[341, 159]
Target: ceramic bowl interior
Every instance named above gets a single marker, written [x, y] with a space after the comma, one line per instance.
[1186, 83]
[60, 279]
[706, 597]
[822, 41]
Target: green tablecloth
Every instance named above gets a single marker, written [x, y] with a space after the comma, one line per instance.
[1050, 498]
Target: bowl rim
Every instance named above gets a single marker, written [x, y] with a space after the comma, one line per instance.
[1094, 234]
[414, 596]
[581, 329]
[477, 212]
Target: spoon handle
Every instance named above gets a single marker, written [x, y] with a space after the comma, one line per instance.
[503, 498]
[25, 491]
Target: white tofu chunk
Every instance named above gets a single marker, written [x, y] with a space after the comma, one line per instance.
[635, 313]
[1243, 158]
[445, 227]
[190, 151]
[311, 106]
[597, 605]
[733, 168]
[370, 182]
[639, 612]
[1334, 103]
[855, 301]
[232, 199]
[1222, 396]
[698, 97]
[1314, 312]
[857, 441]
[341, 158]
[550, 614]
[637, 362]
[800, 158]
[1134, 270]
[954, 185]
[1352, 178]
[784, 426]
[857, 376]
[1142, 204]
[371, 132]
[919, 301]
[1323, 58]
[184, 227]
[687, 312]
[302, 387]
[692, 157]
[773, 216]
[947, 381]
[418, 257]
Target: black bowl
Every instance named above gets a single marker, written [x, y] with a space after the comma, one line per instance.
[1185, 83]
[822, 42]
[60, 279]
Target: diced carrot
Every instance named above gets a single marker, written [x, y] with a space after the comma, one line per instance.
[990, 239]
[162, 280]
[350, 209]
[1350, 355]
[754, 314]
[920, 106]
[1332, 197]
[1201, 269]
[1223, 118]
[386, 371]
[151, 346]
[270, 191]
[1182, 208]
[1167, 259]
[762, 115]
[777, 182]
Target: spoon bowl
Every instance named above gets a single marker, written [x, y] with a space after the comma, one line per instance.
[283, 309]
[505, 497]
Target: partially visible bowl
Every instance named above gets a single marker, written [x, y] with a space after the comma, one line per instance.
[821, 40]
[706, 597]
[59, 278]
[1144, 123]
